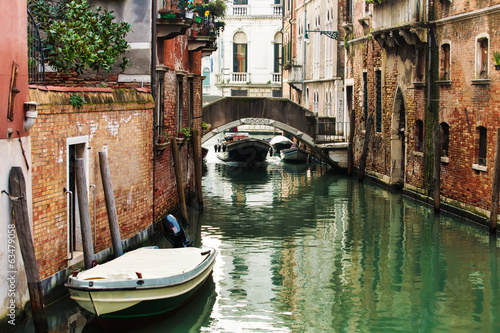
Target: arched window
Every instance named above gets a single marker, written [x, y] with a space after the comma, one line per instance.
[240, 52]
[482, 51]
[278, 40]
[445, 62]
[206, 74]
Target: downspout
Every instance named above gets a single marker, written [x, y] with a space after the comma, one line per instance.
[153, 91]
[304, 61]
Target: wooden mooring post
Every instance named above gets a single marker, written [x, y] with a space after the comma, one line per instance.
[364, 154]
[350, 149]
[197, 165]
[437, 168]
[17, 189]
[495, 189]
[83, 207]
[178, 179]
[109, 197]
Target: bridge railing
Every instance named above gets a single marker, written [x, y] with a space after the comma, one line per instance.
[330, 130]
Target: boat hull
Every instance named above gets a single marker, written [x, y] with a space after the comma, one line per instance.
[246, 150]
[139, 297]
[294, 155]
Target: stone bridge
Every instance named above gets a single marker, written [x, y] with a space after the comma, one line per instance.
[280, 113]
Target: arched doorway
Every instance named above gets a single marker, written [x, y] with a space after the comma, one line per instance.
[398, 142]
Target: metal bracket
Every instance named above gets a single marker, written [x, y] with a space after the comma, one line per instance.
[330, 34]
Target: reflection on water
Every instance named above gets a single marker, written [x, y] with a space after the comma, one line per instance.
[307, 250]
[304, 250]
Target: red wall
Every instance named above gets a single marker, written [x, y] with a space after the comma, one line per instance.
[13, 48]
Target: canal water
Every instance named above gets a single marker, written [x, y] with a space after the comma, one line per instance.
[306, 249]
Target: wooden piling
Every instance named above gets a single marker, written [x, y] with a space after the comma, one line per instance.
[197, 165]
[17, 189]
[109, 197]
[83, 207]
[495, 188]
[437, 168]
[362, 163]
[350, 149]
[178, 179]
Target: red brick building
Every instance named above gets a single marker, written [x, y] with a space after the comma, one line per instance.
[413, 66]
[82, 115]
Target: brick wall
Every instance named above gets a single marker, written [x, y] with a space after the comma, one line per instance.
[123, 124]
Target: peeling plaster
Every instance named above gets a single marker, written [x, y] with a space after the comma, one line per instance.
[129, 197]
[60, 159]
[113, 126]
[93, 128]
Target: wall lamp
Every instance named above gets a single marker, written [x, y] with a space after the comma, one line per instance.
[330, 34]
[30, 114]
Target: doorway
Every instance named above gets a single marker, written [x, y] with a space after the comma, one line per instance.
[398, 141]
[75, 148]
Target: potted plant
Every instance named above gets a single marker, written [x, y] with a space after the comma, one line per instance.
[185, 133]
[496, 57]
[162, 141]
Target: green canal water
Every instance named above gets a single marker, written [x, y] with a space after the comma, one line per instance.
[304, 249]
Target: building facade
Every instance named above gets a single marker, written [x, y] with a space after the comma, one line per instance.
[313, 62]
[16, 152]
[423, 79]
[135, 123]
[247, 61]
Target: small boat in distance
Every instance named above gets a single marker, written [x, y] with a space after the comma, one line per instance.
[280, 142]
[240, 147]
[144, 282]
[294, 154]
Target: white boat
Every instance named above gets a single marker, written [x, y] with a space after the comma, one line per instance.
[280, 142]
[294, 154]
[144, 282]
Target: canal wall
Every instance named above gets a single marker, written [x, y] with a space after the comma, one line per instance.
[119, 122]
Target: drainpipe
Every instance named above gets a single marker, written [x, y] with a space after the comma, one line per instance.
[153, 91]
[304, 60]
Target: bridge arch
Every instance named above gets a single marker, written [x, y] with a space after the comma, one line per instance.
[280, 113]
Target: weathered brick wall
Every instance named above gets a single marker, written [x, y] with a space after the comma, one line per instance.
[465, 106]
[187, 67]
[119, 120]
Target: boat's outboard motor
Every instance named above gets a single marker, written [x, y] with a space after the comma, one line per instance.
[174, 232]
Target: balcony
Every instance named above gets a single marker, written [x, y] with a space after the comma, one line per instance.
[276, 78]
[240, 77]
[241, 10]
[277, 10]
[399, 22]
[392, 13]
[172, 19]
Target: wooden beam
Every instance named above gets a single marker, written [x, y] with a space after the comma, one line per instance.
[83, 207]
[109, 196]
[17, 189]
[197, 165]
[178, 179]
[495, 189]
[364, 155]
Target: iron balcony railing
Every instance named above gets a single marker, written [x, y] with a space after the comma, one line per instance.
[36, 66]
[330, 130]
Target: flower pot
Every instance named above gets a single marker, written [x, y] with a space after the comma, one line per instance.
[194, 33]
[497, 67]
[189, 14]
